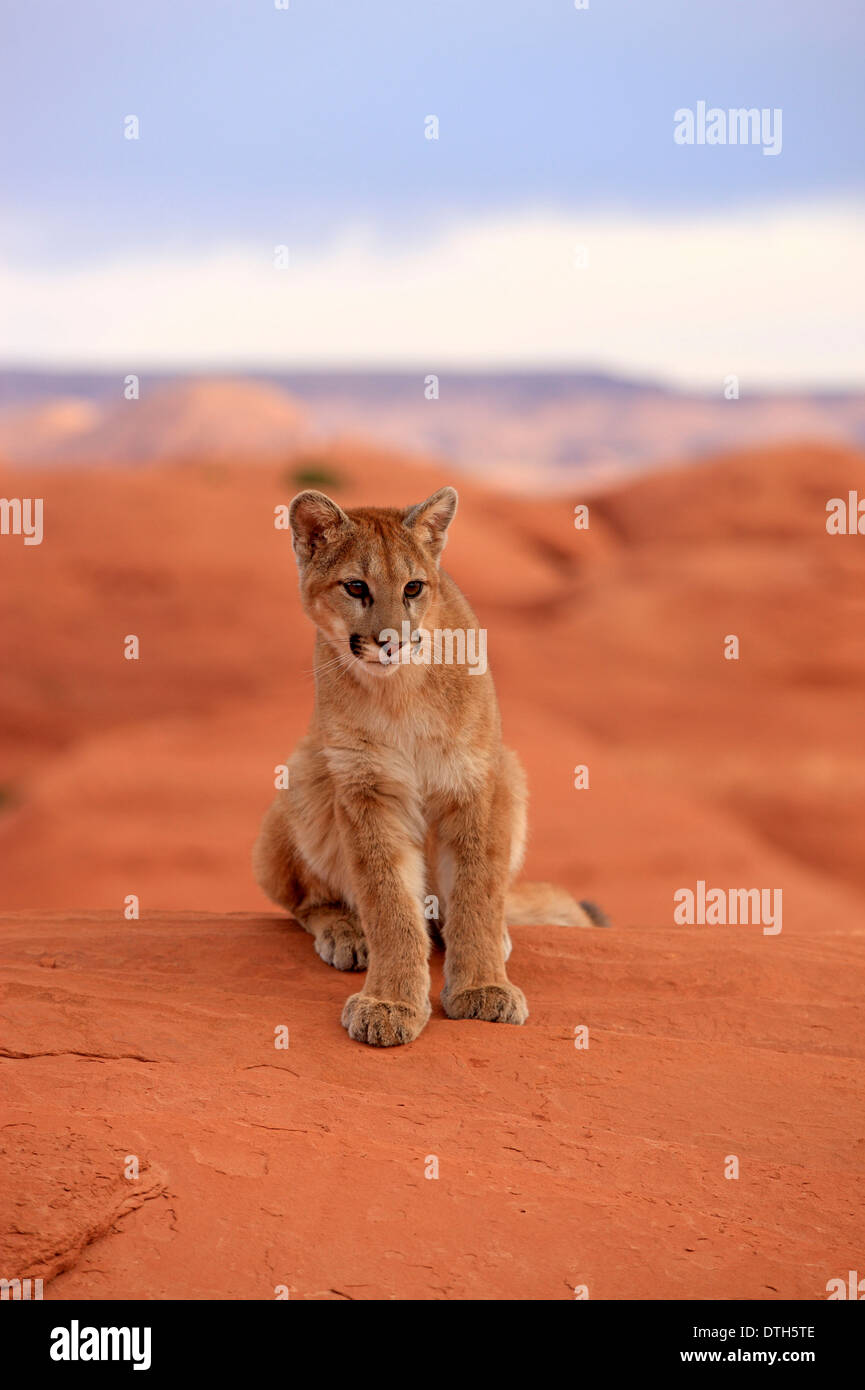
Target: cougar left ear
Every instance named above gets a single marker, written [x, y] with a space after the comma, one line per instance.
[432, 518]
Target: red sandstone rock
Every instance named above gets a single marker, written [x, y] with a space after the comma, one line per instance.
[557, 1167]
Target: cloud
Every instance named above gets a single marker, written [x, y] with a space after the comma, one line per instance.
[777, 297]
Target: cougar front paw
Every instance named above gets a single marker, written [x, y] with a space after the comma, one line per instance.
[493, 1003]
[342, 944]
[381, 1023]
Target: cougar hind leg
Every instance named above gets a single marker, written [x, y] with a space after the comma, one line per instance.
[284, 876]
[339, 938]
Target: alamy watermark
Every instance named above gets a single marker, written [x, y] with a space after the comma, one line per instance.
[739, 125]
[77, 1343]
[846, 515]
[443, 646]
[20, 1290]
[720, 907]
[22, 516]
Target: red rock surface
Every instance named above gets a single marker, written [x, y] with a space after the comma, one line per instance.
[558, 1167]
[305, 1167]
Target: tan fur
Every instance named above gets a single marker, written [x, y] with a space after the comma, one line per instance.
[529, 904]
[402, 787]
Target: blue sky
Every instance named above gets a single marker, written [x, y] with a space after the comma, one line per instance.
[305, 127]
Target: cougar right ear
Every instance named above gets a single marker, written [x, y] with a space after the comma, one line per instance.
[314, 521]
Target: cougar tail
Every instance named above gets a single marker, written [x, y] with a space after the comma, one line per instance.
[545, 904]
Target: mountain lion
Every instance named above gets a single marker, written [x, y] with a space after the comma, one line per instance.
[401, 798]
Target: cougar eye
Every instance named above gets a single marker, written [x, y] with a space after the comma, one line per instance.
[413, 588]
[355, 587]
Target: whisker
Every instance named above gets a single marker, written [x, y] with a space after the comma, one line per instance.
[341, 660]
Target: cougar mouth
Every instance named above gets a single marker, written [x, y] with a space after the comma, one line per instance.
[379, 661]
[375, 653]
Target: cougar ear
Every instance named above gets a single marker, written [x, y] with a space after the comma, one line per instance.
[314, 520]
[432, 518]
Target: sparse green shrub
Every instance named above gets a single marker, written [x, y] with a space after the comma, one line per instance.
[312, 472]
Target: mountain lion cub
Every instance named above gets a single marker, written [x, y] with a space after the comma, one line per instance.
[402, 798]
